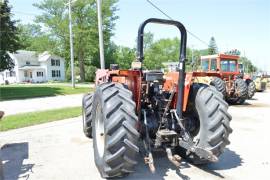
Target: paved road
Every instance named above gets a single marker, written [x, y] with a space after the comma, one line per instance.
[59, 150]
[39, 104]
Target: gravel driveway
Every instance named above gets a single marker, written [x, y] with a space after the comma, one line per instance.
[59, 150]
[39, 104]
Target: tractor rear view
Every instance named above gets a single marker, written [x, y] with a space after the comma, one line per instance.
[251, 83]
[165, 112]
[260, 82]
[229, 80]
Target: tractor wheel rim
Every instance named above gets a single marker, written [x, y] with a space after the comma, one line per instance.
[84, 115]
[100, 136]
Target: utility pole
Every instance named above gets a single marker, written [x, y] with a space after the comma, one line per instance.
[100, 33]
[246, 69]
[71, 44]
[192, 58]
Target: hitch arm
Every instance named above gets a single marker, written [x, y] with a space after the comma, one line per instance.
[146, 141]
[189, 145]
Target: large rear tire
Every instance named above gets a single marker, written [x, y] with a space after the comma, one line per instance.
[207, 121]
[219, 84]
[115, 136]
[87, 102]
[251, 88]
[1, 170]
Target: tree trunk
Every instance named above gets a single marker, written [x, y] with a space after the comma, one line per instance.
[81, 65]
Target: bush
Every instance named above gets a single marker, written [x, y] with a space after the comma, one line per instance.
[76, 74]
[90, 73]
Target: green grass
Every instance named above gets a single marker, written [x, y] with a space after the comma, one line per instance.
[29, 91]
[32, 118]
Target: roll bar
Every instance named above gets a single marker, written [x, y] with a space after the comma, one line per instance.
[180, 26]
[182, 57]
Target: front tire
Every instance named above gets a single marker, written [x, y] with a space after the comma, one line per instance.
[115, 136]
[207, 121]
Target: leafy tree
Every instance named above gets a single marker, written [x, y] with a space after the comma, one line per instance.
[203, 52]
[90, 73]
[85, 31]
[125, 56]
[191, 66]
[110, 54]
[167, 50]
[212, 48]
[248, 65]
[33, 38]
[148, 40]
[163, 50]
[9, 40]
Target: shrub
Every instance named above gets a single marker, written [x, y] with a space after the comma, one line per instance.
[90, 73]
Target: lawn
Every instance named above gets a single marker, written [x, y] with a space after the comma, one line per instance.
[32, 118]
[29, 91]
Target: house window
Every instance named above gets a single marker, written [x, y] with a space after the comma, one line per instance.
[52, 62]
[56, 73]
[39, 74]
[53, 73]
[27, 62]
[25, 73]
[11, 74]
[55, 62]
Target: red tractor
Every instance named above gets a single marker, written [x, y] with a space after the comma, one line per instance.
[165, 112]
[229, 80]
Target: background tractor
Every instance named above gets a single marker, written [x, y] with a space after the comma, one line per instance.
[260, 82]
[165, 112]
[228, 79]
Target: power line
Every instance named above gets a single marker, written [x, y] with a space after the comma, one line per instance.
[160, 10]
[25, 13]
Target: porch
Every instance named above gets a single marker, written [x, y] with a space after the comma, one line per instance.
[33, 74]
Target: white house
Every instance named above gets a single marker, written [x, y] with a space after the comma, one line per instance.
[171, 66]
[33, 67]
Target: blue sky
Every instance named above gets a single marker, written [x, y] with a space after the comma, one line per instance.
[241, 24]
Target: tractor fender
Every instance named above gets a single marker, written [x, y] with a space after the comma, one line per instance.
[102, 76]
[246, 77]
[188, 83]
[171, 80]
